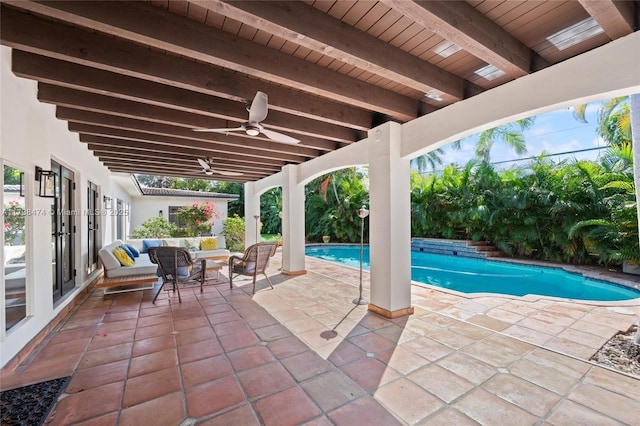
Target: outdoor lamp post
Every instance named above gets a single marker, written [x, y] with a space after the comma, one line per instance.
[362, 213]
[257, 218]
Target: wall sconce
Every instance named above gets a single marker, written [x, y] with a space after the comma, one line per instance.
[160, 213]
[47, 180]
[106, 201]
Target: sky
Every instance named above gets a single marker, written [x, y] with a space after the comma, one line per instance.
[552, 132]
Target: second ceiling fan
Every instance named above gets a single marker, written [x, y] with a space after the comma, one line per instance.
[257, 113]
[207, 168]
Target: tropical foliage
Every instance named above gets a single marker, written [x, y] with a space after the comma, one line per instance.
[233, 232]
[198, 217]
[575, 212]
[332, 203]
[155, 227]
[14, 221]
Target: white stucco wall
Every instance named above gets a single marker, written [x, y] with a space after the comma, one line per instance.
[31, 136]
[144, 207]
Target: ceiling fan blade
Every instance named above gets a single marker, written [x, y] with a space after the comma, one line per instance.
[259, 108]
[204, 164]
[225, 173]
[279, 137]
[236, 129]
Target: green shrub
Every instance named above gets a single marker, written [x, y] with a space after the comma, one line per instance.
[233, 232]
[155, 227]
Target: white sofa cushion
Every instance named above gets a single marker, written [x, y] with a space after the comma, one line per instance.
[112, 267]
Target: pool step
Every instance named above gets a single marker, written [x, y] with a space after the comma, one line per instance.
[473, 249]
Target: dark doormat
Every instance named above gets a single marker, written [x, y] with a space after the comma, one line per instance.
[30, 405]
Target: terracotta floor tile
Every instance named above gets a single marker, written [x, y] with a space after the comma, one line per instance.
[109, 419]
[156, 330]
[73, 334]
[154, 344]
[204, 370]
[239, 340]
[106, 355]
[190, 323]
[402, 360]
[110, 327]
[371, 342]
[528, 396]
[264, 379]
[427, 348]
[486, 408]
[470, 368]
[617, 406]
[306, 365]
[250, 357]
[153, 362]
[535, 337]
[220, 318]
[395, 395]
[213, 396]
[332, 390]
[572, 348]
[491, 354]
[199, 350]
[167, 410]
[363, 411]
[77, 346]
[150, 386]
[90, 403]
[272, 332]
[194, 335]
[103, 340]
[614, 381]
[441, 382]
[286, 347]
[541, 375]
[114, 316]
[260, 320]
[97, 376]
[450, 416]
[287, 408]
[369, 373]
[230, 327]
[344, 353]
[241, 416]
[570, 413]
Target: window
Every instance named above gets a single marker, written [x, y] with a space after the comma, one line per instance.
[93, 223]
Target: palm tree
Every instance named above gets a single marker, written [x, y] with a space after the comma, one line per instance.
[511, 134]
[432, 159]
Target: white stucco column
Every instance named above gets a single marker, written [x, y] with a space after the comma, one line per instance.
[293, 230]
[251, 209]
[390, 223]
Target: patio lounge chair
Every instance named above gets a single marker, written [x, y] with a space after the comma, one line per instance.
[254, 261]
[176, 267]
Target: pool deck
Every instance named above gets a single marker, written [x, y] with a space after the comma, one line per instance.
[304, 354]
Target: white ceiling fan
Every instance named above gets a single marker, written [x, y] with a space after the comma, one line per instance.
[208, 170]
[257, 112]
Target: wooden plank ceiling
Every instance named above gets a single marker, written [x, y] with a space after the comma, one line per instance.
[134, 79]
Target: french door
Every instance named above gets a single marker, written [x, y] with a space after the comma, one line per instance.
[63, 232]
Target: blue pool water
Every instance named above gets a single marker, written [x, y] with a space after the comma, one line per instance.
[486, 276]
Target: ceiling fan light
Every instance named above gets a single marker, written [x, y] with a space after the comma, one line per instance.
[208, 172]
[251, 131]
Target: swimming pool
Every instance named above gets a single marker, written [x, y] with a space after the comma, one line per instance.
[485, 276]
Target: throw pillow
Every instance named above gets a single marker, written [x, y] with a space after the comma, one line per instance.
[134, 251]
[150, 243]
[191, 243]
[126, 250]
[123, 257]
[208, 244]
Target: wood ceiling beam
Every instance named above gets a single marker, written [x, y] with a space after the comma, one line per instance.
[460, 23]
[190, 39]
[231, 143]
[94, 102]
[174, 173]
[166, 159]
[615, 17]
[79, 77]
[97, 142]
[195, 170]
[178, 143]
[315, 30]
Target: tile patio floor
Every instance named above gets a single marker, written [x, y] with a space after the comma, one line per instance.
[304, 354]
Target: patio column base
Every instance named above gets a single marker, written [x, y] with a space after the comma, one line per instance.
[391, 314]
[294, 273]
